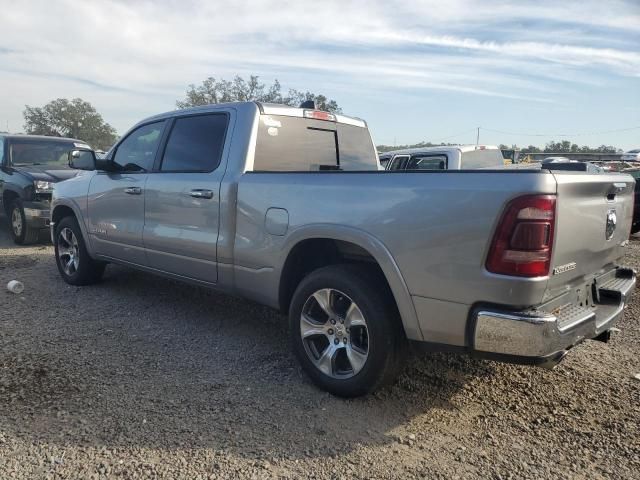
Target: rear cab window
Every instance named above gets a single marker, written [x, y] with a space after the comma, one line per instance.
[290, 144]
[482, 158]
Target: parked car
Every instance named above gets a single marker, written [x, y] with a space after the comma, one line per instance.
[564, 163]
[459, 157]
[631, 156]
[630, 168]
[29, 166]
[286, 206]
[558, 160]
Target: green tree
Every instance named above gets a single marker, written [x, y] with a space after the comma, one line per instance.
[70, 118]
[239, 89]
[607, 149]
[558, 147]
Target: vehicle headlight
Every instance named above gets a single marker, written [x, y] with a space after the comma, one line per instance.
[43, 187]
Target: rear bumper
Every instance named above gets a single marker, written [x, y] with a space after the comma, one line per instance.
[544, 334]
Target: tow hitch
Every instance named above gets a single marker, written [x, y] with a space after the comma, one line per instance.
[553, 361]
[604, 337]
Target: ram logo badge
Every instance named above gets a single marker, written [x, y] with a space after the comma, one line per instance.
[564, 268]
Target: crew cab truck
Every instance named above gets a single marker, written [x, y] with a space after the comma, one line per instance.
[456, 157]
[29, 166]
[285, 206]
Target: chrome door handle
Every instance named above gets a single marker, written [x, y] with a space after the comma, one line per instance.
[133, 190]
[198, 193]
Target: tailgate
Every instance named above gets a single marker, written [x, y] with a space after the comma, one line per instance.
[593, 221]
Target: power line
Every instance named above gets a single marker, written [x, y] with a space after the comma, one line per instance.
[454, 135]
[562, 134]
[477, 131]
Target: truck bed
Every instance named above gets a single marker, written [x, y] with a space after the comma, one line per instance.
[436, 227]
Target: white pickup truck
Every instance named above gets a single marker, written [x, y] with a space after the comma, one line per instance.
[286, 206]
[449, 157]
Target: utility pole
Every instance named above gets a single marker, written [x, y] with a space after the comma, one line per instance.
[478, 137]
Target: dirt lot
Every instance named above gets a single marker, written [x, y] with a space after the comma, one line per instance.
[142, 377]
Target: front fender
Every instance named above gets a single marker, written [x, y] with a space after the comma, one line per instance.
[377, 250]
[58, 203]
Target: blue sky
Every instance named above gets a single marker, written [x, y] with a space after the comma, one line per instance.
[525, 72]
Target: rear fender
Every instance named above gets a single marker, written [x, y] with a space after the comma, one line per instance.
[377, 250]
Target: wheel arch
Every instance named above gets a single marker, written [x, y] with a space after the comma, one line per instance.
[64, 208]
[316, 246]
[8, 196]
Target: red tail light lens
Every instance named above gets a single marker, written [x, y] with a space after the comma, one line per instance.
[523, 240]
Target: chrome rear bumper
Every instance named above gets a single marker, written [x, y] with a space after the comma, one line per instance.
[544, 334]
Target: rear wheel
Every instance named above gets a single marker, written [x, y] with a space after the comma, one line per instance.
[21, 232]
[74, 262]
[345, 330]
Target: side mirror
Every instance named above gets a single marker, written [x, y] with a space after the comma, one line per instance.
[82, 159]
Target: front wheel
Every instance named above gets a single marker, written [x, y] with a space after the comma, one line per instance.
[74, 262]
[346, 331]
[21, 232]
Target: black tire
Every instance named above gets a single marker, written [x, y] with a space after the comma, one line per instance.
[24, 235]
[87, 270]
[386, 341]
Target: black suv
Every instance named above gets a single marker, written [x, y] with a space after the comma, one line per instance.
[29, 166]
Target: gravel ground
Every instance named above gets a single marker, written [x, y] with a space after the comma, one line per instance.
[142, 377]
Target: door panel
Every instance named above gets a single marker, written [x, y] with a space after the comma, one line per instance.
[181, 230]
[116, 199]
[116, 218]
[182, 199]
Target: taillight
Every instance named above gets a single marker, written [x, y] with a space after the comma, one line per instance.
[523, 240]
[319, 115]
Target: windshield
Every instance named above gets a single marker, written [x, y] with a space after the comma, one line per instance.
[40, 153]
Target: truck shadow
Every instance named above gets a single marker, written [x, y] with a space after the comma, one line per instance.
[143, 361]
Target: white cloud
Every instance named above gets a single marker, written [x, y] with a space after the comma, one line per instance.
[136, 58]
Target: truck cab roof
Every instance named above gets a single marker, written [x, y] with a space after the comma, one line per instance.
[21, 136]
[263, 108]
[442, 148]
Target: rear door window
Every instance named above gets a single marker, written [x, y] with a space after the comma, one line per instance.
[427, 162]
[399, 162]
[195, 143]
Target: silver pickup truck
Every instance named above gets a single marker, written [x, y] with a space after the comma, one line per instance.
[286, 206]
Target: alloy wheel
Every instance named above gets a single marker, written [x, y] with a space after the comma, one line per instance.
[16, 221]
[334, 333]
[68, 255]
